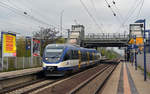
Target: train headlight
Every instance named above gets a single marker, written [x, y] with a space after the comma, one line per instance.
[46, 58]
[58, 58]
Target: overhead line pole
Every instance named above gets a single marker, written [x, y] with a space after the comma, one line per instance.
[145, 76]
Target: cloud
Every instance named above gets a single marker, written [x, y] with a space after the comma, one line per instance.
[49, 11]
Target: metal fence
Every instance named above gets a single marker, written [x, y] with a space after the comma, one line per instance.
[107, 36]
[140, 61]
[16, 63]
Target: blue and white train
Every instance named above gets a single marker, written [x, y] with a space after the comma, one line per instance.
[59, 59]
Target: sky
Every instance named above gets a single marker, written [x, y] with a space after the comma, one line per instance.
[50, 11]
[93, 14]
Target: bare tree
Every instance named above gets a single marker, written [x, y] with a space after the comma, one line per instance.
[46, 36]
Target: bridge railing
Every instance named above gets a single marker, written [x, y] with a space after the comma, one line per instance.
[107, 36]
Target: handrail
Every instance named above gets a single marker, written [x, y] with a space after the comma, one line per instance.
[107, 36]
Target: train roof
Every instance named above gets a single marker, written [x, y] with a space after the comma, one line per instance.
[70, 46]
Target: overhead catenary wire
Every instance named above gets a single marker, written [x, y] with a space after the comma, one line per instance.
[130, 12]
[91, 16]
[94, 7]
[25, 14]
[140, 9]
[120, 18]
[40, 15]
[109, 6]
[37, 12]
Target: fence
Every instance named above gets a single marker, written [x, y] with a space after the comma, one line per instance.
[140, 61]
[107, 36]
[16, 63]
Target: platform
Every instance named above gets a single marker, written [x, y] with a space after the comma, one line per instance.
[126, 80]
[12, 74]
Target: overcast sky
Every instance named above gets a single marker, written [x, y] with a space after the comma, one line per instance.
[13, 18]
[49, 11]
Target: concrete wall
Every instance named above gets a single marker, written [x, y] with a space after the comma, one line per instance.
[140, 60]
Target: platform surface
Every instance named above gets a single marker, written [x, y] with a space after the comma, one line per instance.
[126, 80]
[11, 74]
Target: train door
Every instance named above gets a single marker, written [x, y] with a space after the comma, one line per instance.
[88, 58]
[79, 53]
[93, 57]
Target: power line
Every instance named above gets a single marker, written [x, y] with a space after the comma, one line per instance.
[120, 18]
[140, 9]
[130, 12]
[90, 15]
[93, 4]
[109, 6]
[23, 13]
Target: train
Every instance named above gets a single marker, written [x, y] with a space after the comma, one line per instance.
[60, 59]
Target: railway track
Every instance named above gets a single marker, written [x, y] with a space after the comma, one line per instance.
[95, 83]
[73, 84]
[81, 83]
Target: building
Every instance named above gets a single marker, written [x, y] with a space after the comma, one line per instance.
[76, 34]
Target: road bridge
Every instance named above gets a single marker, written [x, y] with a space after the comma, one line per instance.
[105, 40]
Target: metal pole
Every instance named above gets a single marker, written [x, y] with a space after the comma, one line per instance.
[16, 62]
[61, 14]
[68, 35]
[144, 52]
[2, 51]
[131, 58]
[149, 39]
[7, 64]
[23, 63]
[31, 52]
[135, 60]
[135, 53]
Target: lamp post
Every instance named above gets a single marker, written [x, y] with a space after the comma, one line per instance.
[144, 38]
[61, 15]
[135, 52]
[144, 52]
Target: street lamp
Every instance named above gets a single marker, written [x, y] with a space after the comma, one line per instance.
[144, 37]
[61, 15]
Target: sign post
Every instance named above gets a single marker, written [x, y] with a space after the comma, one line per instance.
[144, 38]
[144, 53]
[8, 46]
[135, 52]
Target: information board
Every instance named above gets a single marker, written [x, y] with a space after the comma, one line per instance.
[8, 44]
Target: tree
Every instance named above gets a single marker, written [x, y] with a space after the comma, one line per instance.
[20, 47]
[46, 36]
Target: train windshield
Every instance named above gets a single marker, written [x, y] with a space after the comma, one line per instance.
[54, 51]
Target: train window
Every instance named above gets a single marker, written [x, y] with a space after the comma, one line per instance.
[83, 54]
[66, 57]
[86, 56]
[76, 54]
[91, 57]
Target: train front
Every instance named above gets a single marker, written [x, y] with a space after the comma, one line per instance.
[53, 59]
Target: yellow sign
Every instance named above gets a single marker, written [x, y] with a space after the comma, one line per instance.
[9, 44]
[131, 41]
[139, 41]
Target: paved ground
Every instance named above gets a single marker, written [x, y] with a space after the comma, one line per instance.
[126, 80]
[143, 87]
[112, 84]
[19, 72]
